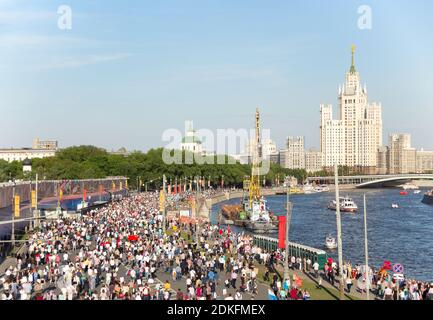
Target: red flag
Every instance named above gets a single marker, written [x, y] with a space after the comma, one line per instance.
[281, 232]
[133, 238]
[387, 265]
[84, 195]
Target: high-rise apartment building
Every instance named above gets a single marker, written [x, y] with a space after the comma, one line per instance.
[352, 140]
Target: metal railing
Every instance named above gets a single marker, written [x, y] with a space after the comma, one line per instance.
[295, 249]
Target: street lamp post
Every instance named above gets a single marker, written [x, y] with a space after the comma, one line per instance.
[13, 214]
[339, 236]
[288, 220]
[197, 214]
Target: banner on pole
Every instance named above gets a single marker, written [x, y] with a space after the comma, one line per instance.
[161, 201]
[33, 199]
[282, 232]
[17, 210]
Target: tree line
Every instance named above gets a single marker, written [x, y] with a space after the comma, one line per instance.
[87, 162]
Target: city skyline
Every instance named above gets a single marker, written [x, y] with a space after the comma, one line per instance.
[142, 75]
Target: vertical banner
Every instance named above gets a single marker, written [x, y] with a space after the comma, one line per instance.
[101, 188]
[85, 195]
[113, 186]
[126, 183]
[33, 195]
[161, 201]
[60, 194]
[17, 212]
[120, 185]
[282, 232]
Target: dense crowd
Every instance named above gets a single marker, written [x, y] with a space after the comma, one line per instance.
[128, 251]
[120, 251]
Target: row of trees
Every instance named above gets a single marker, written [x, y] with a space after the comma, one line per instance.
[86, 162]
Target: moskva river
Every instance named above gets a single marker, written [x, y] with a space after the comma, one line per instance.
[403, 235]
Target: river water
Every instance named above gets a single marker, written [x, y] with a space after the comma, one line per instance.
[403, 235]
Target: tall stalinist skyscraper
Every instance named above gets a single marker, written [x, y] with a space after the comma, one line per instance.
[354, 139]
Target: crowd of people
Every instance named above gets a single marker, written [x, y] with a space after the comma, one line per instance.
[128, 250]
[124, 250]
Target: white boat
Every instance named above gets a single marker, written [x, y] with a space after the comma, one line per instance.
[417, 191]
[409, 186]
[330, 242]
[324, 188]
[395, 206]
[346, 205]
[309, 189]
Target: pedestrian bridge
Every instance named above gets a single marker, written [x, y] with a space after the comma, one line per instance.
[371, 181]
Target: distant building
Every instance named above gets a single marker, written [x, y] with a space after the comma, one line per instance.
[402, 157]
[191, 142]
[383, 160]
[45, 145]
[27, 165]
[41, 149]
[268, 149]
[313, 161]
[294, 157]
[352, 140]
[121, 152]
[424, 161]
[398, 157]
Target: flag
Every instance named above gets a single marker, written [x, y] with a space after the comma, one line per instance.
[84, 195]
[282, 232]
[271, 295]
[132, 238]
[297, 280]
[33, 199]
[17, 211]
[387, 265]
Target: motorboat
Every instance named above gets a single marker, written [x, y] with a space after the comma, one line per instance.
[346, 205]
[395, 206]
[409, 186]
[417, 192]
[309, 189]
[404, 193]
[428, 198]
[330, 242]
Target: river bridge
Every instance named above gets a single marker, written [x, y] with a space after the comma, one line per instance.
[372, 181]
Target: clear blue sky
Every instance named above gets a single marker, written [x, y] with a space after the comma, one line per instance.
[130, 69]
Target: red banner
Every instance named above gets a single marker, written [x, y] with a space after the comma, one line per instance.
[85, 195]
[282, 232]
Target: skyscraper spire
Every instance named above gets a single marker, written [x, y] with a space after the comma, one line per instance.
[352, 67]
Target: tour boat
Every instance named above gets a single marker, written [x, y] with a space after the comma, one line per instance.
[330, 242]
[346, 205]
